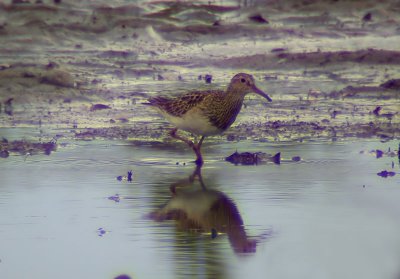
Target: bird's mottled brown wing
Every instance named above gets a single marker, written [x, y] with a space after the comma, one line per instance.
[178, 106]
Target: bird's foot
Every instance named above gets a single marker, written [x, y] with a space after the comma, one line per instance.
[199, 161]
[199, 158]
[196, 147]
[172, 133]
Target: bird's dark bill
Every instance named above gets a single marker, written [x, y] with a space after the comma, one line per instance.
[260, 92]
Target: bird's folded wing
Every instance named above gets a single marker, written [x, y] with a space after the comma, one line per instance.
[180, 105]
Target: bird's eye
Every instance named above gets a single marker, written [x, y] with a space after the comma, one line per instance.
[242, 80]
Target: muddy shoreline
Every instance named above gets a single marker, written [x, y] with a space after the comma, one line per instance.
[82, 71]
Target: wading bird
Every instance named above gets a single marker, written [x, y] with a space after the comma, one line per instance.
[206, 113]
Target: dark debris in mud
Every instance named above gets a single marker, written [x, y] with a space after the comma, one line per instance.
[393, 84]
[293, 130]
[250, 158]
[4, 153]
[384, 91]
[101, 232]
[35, 74]
[57, 78]
[99, 107]
[128, 177]
[115, 198]
[117, 132]
[386, 174]
[8, 107]
[390, 153]
[23, 147]
[381, 153]
[311, 59]
[270, 131]
[296, 158]
[258, 18]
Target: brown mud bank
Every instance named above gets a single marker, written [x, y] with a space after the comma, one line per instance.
[277, 131]
[27, 148]
[82, 70]
[285, 59]
[44, 96]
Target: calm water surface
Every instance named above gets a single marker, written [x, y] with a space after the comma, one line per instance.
[329, 216]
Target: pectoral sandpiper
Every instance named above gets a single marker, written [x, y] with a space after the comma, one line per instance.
[206, 113]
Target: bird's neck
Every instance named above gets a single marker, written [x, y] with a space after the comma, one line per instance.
[233, 95]
[232, 104]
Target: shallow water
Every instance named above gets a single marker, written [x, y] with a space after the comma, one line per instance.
[61, 216]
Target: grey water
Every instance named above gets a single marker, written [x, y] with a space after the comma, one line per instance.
[329, 215]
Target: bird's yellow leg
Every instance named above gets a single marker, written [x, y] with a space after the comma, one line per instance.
[200, 142]
[174, 134]
[199, 158]
[196, 147]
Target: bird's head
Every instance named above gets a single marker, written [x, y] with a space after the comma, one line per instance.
[244, 84]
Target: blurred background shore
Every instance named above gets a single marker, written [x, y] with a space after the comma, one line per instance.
[331, 67]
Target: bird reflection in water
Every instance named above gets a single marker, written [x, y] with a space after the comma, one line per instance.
[205, 211]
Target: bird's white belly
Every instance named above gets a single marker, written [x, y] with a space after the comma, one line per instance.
[194, 122]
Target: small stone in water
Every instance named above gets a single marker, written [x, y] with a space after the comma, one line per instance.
[208, 78]
[4, 154]
[101, 231]
[296, 158]
[377, 110]
[379, 153]
[115, 198]
[126, 178]
[130, 173]
[258, 18]
[214, 233]
[386, 173]
[367, 17]
[277, 158]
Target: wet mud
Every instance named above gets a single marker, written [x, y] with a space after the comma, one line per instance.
[250, 158]
[27, 148]
[86, 69]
